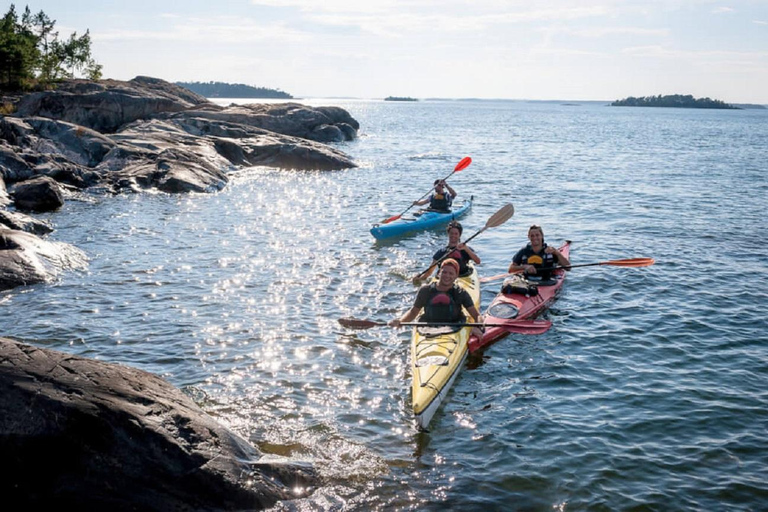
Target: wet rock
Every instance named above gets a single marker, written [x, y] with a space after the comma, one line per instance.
[88, 435]
[5, 199]
[22, 222]
[40, 194]
[20, 263]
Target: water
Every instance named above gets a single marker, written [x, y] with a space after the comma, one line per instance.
[649, 392]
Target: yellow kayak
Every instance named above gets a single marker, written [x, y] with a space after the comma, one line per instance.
[437, 356]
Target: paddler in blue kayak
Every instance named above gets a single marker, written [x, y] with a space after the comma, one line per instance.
[441, 199]
[442, 300]
[535, 258]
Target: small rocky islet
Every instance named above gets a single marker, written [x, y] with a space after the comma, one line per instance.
[95, 435]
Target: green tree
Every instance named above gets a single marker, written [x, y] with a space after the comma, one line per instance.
[32, 54]
[18, 51]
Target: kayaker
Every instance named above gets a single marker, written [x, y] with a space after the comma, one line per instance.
[537, 256]
[442, 301]
[441, 199]
[457, 250]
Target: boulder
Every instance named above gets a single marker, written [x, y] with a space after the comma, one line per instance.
[28, 259]
[40, 194]
[22, 222]
[81, 434]
[19, 266]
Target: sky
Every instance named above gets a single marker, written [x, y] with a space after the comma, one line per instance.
[494, 49]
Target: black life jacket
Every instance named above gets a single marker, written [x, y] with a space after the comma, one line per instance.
[440, 202]
[442, 306]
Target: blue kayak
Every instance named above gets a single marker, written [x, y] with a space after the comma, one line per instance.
[421, 220]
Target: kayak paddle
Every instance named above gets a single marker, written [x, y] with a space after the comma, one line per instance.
[518, 326]
[629, 262]
[497, 219]
[463, 164]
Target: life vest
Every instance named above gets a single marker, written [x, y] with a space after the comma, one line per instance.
[460, 256]
[442, 306]
[440, 201]
[542, 261]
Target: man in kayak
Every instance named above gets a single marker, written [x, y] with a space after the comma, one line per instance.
[535, 258]
[441, 199]
[456, 249]
[442, 301]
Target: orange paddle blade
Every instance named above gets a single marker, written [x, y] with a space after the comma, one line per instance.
[631, 262]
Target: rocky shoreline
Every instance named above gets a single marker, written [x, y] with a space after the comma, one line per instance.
[112, 137]
[94, 435]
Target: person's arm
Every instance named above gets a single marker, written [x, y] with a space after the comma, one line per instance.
[517, 264]
[422, 202]
[475, 314]
[424, 275]
[468, 250]
[407, 317]
[412, 313]
[450, 189]
[560, 257]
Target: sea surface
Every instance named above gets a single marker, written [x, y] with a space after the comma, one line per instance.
[650, 392]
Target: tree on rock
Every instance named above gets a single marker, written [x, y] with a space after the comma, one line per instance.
[31, 53]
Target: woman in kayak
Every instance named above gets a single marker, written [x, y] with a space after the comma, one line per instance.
[441, 301]
[441, 199]
[460, 252]
[535, 258]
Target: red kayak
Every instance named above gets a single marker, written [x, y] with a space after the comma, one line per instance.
[515, 306]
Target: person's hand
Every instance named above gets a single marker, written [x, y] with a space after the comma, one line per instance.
[530, 269]
[394, 323]
[414, 203]
[550, 250]
[461, 246]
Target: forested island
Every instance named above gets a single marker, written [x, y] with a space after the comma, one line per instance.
[399, 98]
[672, 100]
[225, 90]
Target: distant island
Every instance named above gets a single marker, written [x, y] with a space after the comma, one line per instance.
[224, 90]
[672, 100]
[399, 98]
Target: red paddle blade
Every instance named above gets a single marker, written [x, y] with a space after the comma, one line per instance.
[463, 164]
[631, 262]
[394, 217]
[528, 326]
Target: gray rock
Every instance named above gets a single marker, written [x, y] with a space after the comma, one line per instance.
[12, 166]
[106, 105]
[291, 119]
[40, 194]
[22, 222]
[20, 263]
[88, 435]
[5, 199]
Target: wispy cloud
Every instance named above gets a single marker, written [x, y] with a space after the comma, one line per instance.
[598, 32]
[216, 30]
[760, 22]
[722, 10]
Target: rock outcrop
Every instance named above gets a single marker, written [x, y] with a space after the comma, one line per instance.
[81, 434]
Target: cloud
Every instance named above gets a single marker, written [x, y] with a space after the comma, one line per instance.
[722, 10]
[222, 29]
[597, 32]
